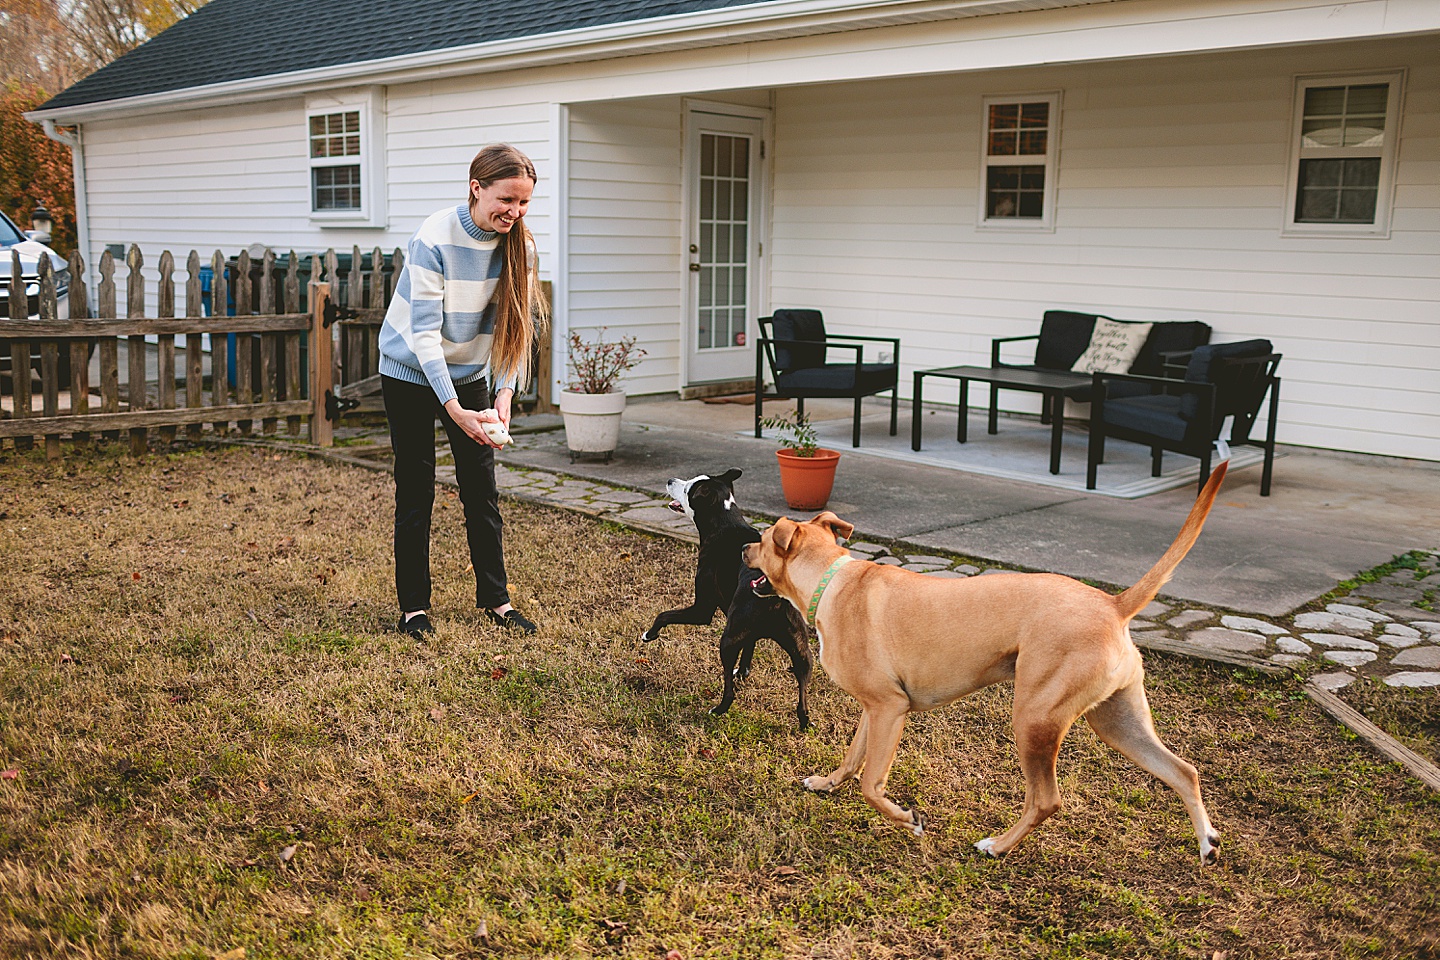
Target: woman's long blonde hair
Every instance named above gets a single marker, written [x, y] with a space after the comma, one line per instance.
[521, 312]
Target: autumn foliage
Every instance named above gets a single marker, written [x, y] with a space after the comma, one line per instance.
[34, 170]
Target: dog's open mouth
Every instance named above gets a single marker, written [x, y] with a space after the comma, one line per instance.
[761, 587]
[675, 505]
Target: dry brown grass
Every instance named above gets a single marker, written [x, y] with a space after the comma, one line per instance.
[218, 746]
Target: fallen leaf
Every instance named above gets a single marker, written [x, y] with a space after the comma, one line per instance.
[11, 774]
[498, 673]
[66, 658]
[287, 853]
[673, 955]
[468, 798]
[785, 873]
[237, 954]
[707, 753]
[264, 787]
[134, 576]
[437, 713]
[482, 932]
[642, 659]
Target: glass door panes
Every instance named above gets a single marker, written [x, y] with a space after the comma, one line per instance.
[724, 225]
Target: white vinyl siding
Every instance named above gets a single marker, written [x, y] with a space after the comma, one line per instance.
[625, 264]
[1170, 205]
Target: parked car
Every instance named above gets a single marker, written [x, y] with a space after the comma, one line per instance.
[14, 240]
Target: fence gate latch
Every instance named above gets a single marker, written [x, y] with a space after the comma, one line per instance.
[334, 313]
[335, 406]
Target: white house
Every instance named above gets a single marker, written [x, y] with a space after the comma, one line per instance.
[944, 170]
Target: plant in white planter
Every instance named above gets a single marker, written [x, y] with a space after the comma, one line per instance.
[593, 403]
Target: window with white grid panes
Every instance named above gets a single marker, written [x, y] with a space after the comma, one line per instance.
[335, 152]
[1343, 154]
[1018, 160]
[724, 238]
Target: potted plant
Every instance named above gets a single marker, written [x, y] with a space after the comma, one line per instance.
[807, 470]
[592, 403]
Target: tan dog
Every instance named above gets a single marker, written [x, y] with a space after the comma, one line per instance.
[901, 642]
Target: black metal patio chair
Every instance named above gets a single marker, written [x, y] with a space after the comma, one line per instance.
[1222, 380]
[795, 347]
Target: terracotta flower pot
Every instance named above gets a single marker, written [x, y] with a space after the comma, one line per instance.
[807, 481]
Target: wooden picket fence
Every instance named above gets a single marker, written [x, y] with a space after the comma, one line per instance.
[273, 359]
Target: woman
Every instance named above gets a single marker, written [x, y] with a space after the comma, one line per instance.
[456, 343]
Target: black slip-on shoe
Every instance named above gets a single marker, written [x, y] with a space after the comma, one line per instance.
[511, 620]
[417, 626]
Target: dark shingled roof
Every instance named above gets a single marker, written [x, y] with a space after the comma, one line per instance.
[241, 39]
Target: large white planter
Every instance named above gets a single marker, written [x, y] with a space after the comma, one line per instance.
[592, 422]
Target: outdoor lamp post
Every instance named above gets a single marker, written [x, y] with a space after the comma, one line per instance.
[42, 225]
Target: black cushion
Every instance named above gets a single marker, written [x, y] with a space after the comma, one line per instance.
[1064, 335]
[1157, 415]
[1202, 367]
[799, 324]
[837, 380]
[1168, 336]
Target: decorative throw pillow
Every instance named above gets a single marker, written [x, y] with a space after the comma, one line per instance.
[1113, 347]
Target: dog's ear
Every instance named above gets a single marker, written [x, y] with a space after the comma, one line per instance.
[782, 533]
[839, 529]
[730, 476]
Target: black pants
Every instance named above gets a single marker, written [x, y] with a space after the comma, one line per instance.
[412, 409]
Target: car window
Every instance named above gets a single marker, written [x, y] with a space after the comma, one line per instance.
[9, 233]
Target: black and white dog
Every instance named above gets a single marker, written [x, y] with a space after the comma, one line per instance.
[722, 582]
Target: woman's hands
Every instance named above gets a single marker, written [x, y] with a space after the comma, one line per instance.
[473, 421]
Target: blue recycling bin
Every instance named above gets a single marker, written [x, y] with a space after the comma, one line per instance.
[207, 308]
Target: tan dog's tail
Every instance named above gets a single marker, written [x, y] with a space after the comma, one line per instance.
[1135, 599]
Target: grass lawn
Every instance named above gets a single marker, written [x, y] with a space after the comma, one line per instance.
[214, 748]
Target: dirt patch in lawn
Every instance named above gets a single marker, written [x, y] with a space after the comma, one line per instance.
[213, 743]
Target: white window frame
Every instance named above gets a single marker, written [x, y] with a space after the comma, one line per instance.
[1385, 195]
[370, 104]
[1050, 161]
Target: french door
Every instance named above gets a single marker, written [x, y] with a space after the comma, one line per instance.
[723, 182]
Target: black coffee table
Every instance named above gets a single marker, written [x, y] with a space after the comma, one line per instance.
[1053, 387]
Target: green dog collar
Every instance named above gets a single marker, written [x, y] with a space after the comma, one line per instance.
[820, 587]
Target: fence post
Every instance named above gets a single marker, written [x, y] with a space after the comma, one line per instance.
[322, 368]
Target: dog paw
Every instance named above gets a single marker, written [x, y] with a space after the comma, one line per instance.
[1210, 851]
[645, 637]
[987, 847]
[720, 709]
[818, 784]
[917, 823]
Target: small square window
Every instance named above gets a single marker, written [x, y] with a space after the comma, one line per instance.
[342, 143]
[1343, 155]
[1018, 159]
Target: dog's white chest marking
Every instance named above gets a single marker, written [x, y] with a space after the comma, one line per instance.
[729, 504]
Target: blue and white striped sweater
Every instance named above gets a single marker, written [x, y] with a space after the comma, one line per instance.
[439, 326]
